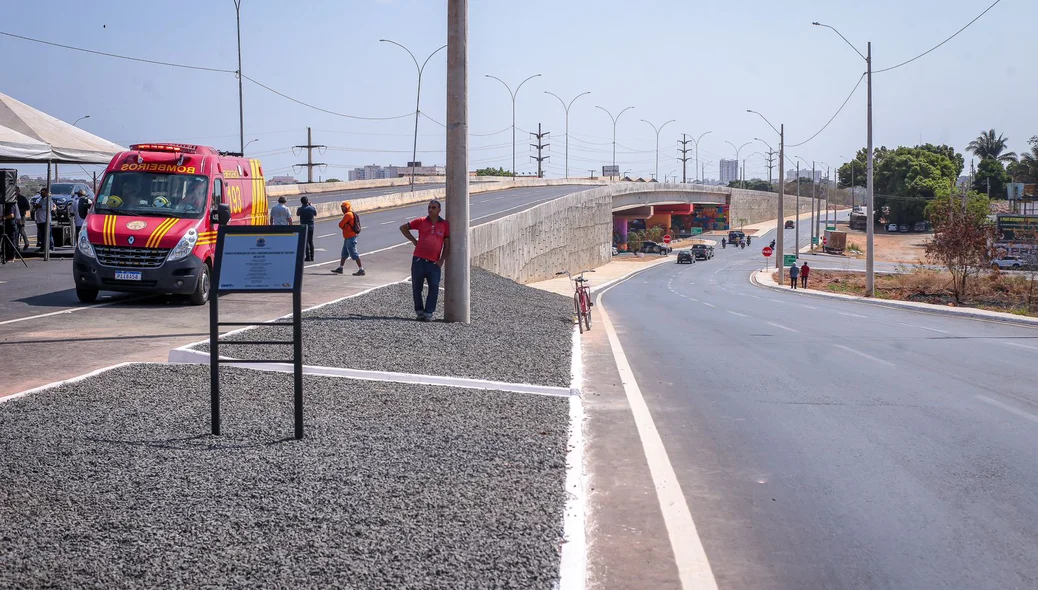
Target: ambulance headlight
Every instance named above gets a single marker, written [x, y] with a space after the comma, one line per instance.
[185, 246]
[84, 246]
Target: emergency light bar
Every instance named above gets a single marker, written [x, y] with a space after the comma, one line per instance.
[165, 147]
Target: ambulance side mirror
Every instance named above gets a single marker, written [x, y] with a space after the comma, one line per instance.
[222, 215]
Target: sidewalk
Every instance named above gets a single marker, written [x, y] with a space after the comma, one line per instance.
[612, 271]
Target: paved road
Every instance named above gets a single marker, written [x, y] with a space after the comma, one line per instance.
[831, 444]
[40, 317]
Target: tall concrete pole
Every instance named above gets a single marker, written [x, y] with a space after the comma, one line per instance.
[796, 224]
[870, 274]
[615, 119]
[241, 103]
[657, 176]
[456, 306]
[566, 107]
[696, 141]
[513, 95]
[781, 201]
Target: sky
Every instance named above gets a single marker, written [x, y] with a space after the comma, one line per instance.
[702, 64]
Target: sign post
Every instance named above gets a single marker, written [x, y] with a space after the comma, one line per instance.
[767, 252]
[257, 259]
[789, 260]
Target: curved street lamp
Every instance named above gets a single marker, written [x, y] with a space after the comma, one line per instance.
[418, 99]
[657, 176]
[737, 150]
[513, 95]
[250, 143]
[615, 119]
[567, 106]
[781, 193]
[696, 142]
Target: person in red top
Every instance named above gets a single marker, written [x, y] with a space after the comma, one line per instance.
[804, 271]
[430, 252]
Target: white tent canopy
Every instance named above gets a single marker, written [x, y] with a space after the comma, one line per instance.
[31, 136]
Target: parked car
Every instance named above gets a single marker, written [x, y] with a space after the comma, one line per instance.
[686, 256]
[1007, 263]
[904, 227]
[702, 251]
[789, 224]
[655, 248]
[891, 227]
[920, 226]
[61, 194]
[615, 250]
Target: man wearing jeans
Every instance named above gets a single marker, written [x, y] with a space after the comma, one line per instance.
[430, 252]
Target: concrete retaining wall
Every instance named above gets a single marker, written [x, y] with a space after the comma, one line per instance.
[757, 206]
[288, 190]
[573, 232]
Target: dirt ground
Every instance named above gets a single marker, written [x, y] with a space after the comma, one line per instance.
[996, 291]
[908, 248]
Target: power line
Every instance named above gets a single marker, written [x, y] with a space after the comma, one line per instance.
[117, 56]
[855, 89]
[317, 108]
[941, 43]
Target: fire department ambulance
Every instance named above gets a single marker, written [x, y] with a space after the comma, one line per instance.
[153, 226]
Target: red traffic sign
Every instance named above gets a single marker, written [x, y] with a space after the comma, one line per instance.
[767, 251]
[666, 239]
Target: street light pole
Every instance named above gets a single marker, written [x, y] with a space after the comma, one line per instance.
[615, 119]
[737, 150]
[782, 192]
[513, 95]
[566, 107]
[418, 100]
[696, 142]
[657, 177]
[251, 141]
[241, 103]
[456, 306]
[870, 274]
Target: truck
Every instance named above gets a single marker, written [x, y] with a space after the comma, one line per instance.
[835, 241]
[858, 218]
[154, 223]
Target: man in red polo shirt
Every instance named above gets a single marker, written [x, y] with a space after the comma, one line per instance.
[430, 252]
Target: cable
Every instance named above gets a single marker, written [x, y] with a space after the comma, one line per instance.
[941, 43]
[138, 59]
[317, 108]
[833, 117]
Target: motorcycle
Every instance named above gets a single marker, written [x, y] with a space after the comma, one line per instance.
[772, 246]
[723, 244]
[748, 240]
[743, 245]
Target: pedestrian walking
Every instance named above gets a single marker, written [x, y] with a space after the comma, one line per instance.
[280, 214]
[307, 213]
[23, 212]
[80, 209]
[350, 226]
[793, 273]
[804, 271]
[430, 253]
[39, 215]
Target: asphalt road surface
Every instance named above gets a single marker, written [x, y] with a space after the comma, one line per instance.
[830, 444]
[47, 335]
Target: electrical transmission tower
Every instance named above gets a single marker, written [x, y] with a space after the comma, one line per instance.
[684, 149]
[540, 145]
[309, 147]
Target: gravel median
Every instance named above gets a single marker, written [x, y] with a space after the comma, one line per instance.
[518, 335]
[114, 482]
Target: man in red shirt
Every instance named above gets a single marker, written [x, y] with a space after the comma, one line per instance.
[430, 252]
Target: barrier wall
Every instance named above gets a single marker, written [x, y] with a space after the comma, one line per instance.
[757, 206]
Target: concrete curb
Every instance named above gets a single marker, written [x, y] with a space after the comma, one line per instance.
[763, 279]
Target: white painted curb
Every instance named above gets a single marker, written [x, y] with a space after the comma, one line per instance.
[573, 558]
[75, 379]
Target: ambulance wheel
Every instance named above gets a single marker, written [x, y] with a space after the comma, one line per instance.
[86, 295]
[201, 294]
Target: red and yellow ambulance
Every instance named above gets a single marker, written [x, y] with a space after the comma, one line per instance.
[153, 227]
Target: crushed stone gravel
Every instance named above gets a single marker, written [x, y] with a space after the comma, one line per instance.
[518, 334]
[115, 482]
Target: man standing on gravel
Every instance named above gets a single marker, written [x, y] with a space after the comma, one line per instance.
[430, 252]
[794, 271]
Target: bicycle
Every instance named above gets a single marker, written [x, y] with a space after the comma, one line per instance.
[582, 303]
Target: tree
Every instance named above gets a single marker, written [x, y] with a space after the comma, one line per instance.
[492, 172]
[960, 241]
[755, 184]
[993, 171]
[635, 239]
[1026, 170]
[988, 146]
[333, 180]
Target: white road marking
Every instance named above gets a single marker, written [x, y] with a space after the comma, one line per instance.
[807, 306]
[362, 254]
[1008, 408]
[742, 315]
[709, 304]
[387, 222]
[776, 301]
[70, 310]
[924, 328]
[853, 315]
[863, 355]
[326, 235]
[573, 558]
[781, 326]
[693, 299]
[689, 555]
[1021, 345]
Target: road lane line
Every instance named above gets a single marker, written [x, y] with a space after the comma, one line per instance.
[364, 253]
[742, 315]
[853, 315]
[693, 299]
[1008, 408]
[863, 355]
[1021, 345]
[327, 235]
[924, 328]
[689, 555]
[781, 326]
[709, 304]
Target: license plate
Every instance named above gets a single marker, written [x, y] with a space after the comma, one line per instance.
[127, 275]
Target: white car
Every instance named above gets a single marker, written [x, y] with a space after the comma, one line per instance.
[1007, 263]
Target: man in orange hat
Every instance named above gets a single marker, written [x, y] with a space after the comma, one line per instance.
[350, 226]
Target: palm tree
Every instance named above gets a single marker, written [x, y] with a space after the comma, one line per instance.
[988, 146]
[1029, 161]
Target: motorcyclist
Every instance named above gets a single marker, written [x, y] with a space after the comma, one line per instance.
[772, 246]
[742, 244]
[748, 240]
[724, 244]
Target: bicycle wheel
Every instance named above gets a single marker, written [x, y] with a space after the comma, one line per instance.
[576, 311]
[587, 309]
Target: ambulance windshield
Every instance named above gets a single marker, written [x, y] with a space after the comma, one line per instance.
[149, 193]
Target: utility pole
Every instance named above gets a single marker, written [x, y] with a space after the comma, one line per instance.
[513, 95]
[797, 222]
[814, 194]
[241, 104]
[656, 178]
[781, 199]
[870, 271]
[456, 306]
[567, 106]
[540, 145]
[684, 149]
[310, 164]
[617, 118]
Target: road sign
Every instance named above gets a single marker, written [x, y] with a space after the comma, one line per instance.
[767, 251]
[789, 260]
[697, 231]
[830, 227]
[666, 239]
[611, 170]
[814, 240]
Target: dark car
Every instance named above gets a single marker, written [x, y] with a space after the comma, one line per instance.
[904, 228]
[789, 224]
[686, 256]
[702, 251]
[655, 248]
[735, 236]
